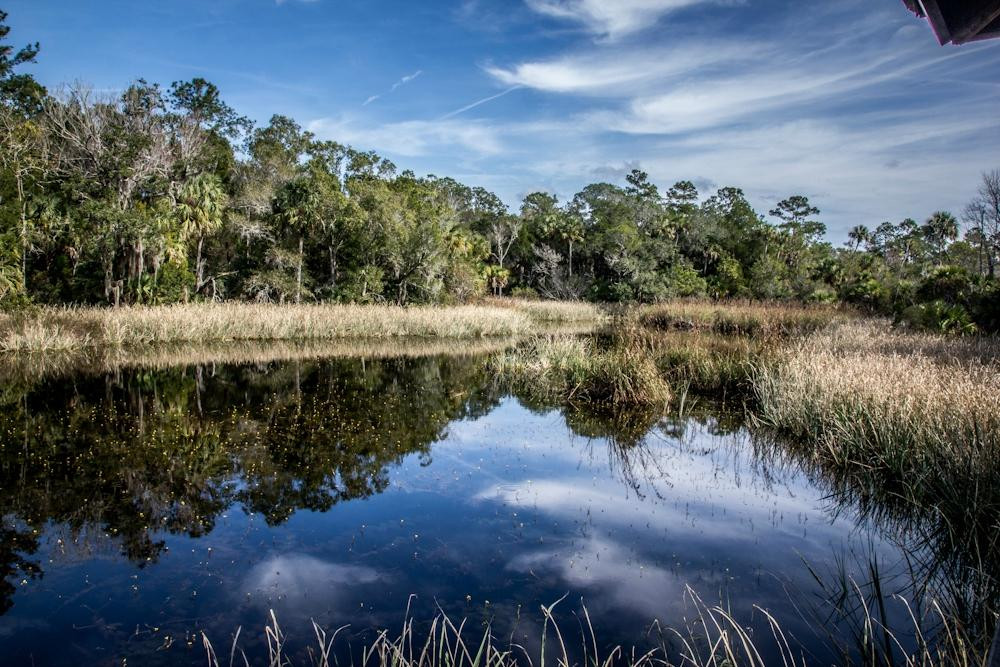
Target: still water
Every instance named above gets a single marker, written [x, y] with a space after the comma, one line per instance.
[142, 507]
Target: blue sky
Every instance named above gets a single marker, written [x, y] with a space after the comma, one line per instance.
[850, 102]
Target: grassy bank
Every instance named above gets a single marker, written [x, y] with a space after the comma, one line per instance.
[63, 329]
[758, 319]
[916, 412]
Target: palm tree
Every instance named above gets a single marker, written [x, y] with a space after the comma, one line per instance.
[201, 208]
[300, 209]
[940, 228]
[859, 234]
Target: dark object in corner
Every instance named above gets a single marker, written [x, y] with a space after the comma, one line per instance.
[959, 21]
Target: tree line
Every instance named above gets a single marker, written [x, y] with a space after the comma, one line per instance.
[163, 195]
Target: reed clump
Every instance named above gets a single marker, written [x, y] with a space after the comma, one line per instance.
[701, 361]
[576, 369]
[40, 336]
[740, 318]
[921, 410]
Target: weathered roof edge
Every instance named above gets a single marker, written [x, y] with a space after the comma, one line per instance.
[959, 21]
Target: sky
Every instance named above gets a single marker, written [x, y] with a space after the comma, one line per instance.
[852, 103]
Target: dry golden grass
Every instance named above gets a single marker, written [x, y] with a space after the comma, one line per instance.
[94, 360]
[60, 329]
[40, 335]
[56, 329]
[739, 317]
[866, 395]
[552, 311]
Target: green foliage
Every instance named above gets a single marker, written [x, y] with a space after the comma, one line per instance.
[683, 281]
[729, 280]
[950, 284]
[939, 316]
[867, 292]
[365, 285]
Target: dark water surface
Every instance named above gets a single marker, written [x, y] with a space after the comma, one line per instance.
[144, 506]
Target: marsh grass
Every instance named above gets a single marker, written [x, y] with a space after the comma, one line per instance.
[39, 336]
[553, 311]
[700, 361]
[739, 318]
[60, 329]
[911, 405]
[711, 638]
[31, 367]
[577, 369]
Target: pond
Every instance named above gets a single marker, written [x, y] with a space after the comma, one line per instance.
[142, 506]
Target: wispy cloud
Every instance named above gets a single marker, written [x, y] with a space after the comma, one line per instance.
[624, 71]
[402, 82]
[477, 103]
[414, 137]
[406, 79]
[611, 19]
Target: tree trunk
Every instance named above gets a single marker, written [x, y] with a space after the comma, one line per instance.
[571, 259]
[298, 275]
[24, 232]
[333, 268]
[108, 278]
[199, 273]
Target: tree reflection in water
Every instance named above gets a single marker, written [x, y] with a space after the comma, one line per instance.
[130, 456]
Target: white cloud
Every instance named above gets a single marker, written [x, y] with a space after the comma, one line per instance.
[611, 18]
[621, 579]
[401, 82]
[413, 137]
[406, 79]
[617, 72]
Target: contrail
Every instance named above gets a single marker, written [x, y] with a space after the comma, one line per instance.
[477, 103]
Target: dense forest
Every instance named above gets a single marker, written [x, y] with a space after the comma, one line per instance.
[162, 195]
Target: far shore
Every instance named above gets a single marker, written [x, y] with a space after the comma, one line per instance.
[60, 329]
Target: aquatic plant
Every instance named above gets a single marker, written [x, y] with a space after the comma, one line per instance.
[576, 369]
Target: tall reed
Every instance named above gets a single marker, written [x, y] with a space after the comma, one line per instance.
[899, 402]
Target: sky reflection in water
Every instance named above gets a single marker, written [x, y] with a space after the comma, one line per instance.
[334, 490]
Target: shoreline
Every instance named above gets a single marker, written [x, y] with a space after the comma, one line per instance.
[56, 329]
